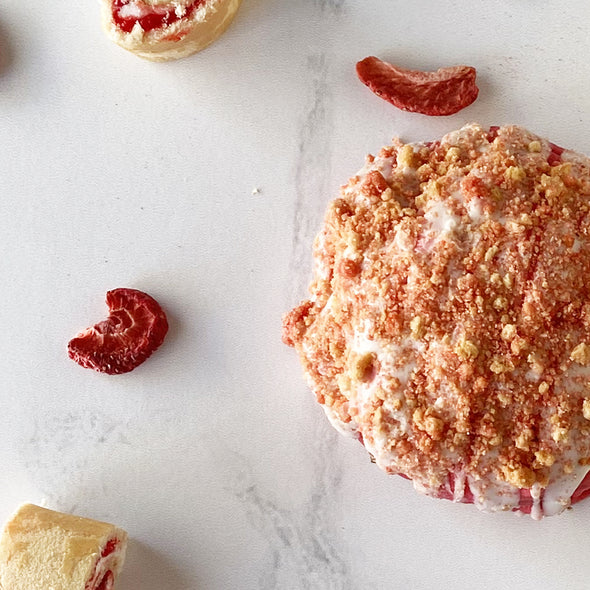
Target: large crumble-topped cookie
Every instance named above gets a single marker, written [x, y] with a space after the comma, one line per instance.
[449, 320]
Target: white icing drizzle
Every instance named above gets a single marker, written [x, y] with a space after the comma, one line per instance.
[493, 496]
[475, 211]
[557, 496]
[442, 220]
[536, 508]
[459, 487]
[346, 428]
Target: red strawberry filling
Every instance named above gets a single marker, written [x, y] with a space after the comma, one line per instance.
[555, 155]
[107, 582]
[526, 501]
[109, 548]
[126, 13]
[493, 133]
[135, 328]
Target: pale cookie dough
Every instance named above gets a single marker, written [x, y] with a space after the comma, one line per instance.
[161, 30]
[41, 549]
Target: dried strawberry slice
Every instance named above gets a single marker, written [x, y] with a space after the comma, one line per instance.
[135, 328]
[444, 92]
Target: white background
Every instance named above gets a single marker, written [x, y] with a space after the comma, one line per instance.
[118, 172]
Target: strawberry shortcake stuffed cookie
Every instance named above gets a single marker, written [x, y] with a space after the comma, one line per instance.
[448, 326]
[161, 30]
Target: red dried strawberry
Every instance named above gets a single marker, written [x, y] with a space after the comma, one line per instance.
[136, 326]
[444, 92]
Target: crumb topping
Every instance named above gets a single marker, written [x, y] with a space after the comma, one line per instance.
[449, 318]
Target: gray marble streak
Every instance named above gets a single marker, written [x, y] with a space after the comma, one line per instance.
[302, 543]
[313, 158]
[334, 6]
[52, 450]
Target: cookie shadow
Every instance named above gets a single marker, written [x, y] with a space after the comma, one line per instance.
[146, 569]
[6, 49]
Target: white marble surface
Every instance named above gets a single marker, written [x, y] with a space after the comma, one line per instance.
[118, 172]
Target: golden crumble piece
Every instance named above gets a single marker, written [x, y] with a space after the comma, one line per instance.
[519, 476]
[430, 191]
[387, 195]
[581, 354]
[523, 440]
[491, 252]
[460, 439]
[378, 421]
[424, 172]
[380, 393]
[497, 194]
[353, 240]
[426, 421]
[544, 458]
[508, 332]
[466, 349]
[363, 366]
[515, 173]
[586, 408]
[515, 227]
[535, 363]
[500, 303]
[495, 440]
[417, 327]
[505, 398]
[396, 404]
[562, 170]
[406, 157]
[496, 280]
[525, 219]
[534, 146]
[543, 387]
[559, 434]
[501, 365]
[433, 427]
[517, 345]
[344, 382]
[453, 154]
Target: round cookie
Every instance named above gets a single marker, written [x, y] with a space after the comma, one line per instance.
[161, 30]
[448, 326]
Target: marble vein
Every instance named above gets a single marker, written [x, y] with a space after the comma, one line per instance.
[56, 450]
[334, 6]
[302, 542]
[313, 158]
